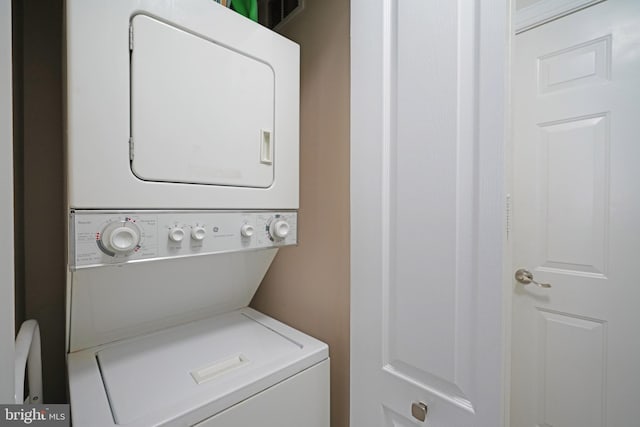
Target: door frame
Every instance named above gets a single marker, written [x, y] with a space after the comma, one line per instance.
[7, 301]
[369, 63]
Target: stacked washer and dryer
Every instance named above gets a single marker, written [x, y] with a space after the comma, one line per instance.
[182, 149]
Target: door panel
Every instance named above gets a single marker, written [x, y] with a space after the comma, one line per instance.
[426, 336]
[576, 202]
[426, 311]
[574, 206]
[571, 354]
[584, 64]
[425, 276]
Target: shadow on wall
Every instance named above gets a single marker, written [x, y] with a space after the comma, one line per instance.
[308, 286]
[39, 199]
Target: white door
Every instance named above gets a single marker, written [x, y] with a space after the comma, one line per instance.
[576, 345]
[426, 233]
[7, 332]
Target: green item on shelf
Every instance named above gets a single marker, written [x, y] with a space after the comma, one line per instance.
[248, 8]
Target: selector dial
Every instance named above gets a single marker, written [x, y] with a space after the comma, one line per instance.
[123, 239]
[247, 230]
[278, 229]
[176, 234]
[198, 232]
[119, 238]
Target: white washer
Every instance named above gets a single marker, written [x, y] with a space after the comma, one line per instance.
[236, 369]
[159, 332]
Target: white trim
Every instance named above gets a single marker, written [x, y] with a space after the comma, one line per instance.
[507, 242]
[369, 24]
[547, 10]
[492, 136]
[7, 302]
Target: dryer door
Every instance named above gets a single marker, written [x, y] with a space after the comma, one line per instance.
[201, 112]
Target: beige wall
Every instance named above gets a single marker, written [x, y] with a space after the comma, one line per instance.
[308, 286]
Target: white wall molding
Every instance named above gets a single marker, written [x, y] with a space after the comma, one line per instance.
[7, 301]
[547, 10]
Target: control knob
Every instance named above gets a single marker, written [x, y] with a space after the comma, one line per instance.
[247, 230]
[198, 233]
[279, 229]
[120, 238]
[176, 234]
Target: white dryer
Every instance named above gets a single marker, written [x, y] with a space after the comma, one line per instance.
[182, 156]
[179, 104]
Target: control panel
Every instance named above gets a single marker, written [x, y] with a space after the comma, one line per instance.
[110, 237]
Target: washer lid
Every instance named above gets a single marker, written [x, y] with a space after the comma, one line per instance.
[232, 356]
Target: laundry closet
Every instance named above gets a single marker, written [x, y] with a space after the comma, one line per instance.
[124, 238]
[192, 111]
